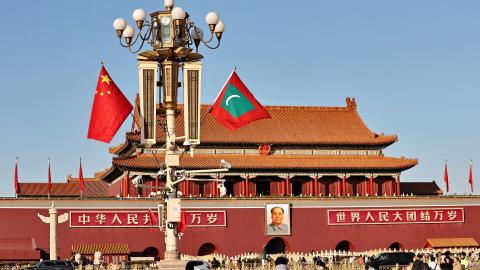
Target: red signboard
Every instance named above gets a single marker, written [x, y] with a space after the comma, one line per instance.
[205, 218]
[395, 216]
[141, 218]
[109, 218]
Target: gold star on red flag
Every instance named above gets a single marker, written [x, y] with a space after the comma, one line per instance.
[105, 79]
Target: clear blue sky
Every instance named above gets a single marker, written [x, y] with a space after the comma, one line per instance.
[413, 66]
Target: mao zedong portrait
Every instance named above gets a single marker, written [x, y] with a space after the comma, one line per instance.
[277, 227]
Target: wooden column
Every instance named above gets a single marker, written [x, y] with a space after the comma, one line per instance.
[287, 185]
[214, 189]
[398, 185]
[246, 187]
[122, 186]
[310, 186]
[184, 187]
[156, 184]
[371, 184]
[392, 187]
[344, 185]
[315, 187]
[126, 187]
[242, 188]
[337, 187]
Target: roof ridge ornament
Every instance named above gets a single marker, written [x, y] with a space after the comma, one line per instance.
[351, 103]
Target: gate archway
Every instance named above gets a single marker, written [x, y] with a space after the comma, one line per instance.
[343, 246]
[395, 246]
[206, 249]
[275, 245]
[150, 252]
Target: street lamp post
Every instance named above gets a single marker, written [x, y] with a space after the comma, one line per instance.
[171, 34]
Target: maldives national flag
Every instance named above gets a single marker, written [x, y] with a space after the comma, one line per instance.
[235, 106]
[109, 111]
[445, 176]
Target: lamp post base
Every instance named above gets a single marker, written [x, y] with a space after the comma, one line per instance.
[168, 264]
[171, 256]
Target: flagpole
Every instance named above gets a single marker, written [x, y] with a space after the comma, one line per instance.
[81, 182]
[470, 177]
[48, 186]
[445, 177]
[16, 177]
[81, 190]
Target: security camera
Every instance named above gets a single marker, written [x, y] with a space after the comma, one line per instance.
[186, 145]
[136, 180]
[180, 175]
[225, 164]
[161, 172]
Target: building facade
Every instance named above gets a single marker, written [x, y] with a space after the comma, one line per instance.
[321, 165]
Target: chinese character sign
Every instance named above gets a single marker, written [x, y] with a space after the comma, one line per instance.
[141, 218]
[205, 218]
[109, 218]
[395, 216]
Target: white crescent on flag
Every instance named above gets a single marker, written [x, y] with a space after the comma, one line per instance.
[230, 97]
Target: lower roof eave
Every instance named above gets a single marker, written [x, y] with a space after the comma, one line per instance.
[275, 172]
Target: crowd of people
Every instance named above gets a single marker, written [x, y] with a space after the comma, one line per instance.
[422, 261]
[442, 261]
[427, 260]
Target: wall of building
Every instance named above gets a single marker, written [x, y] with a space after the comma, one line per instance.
[245, 230]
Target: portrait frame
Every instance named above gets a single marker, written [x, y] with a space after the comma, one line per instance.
[285, 228]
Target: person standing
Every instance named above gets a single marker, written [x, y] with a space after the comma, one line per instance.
[457, 265]
[281, 263]
[433, 263]
[446, 262]
[464, 260]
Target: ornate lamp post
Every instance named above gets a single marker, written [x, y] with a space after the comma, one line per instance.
[171, 34]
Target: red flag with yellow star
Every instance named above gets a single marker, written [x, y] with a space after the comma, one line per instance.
[109, 111]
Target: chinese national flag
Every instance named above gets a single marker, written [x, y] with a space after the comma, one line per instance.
[235, 106]
[80, 178]
[110, 109]
[445, 176]
[182, 225]
[153, 219]
[470, 177]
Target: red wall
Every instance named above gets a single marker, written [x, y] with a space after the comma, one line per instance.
[245, 232]
[246, 229]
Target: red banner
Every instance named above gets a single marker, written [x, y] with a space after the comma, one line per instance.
[395, 216]
[205, 218]
[108, 218]
[136, 218]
